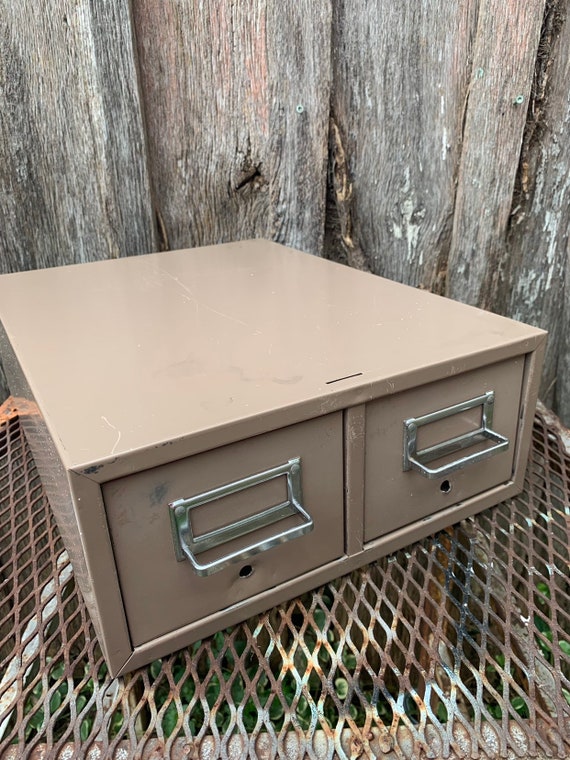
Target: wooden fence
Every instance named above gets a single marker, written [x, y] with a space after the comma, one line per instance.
[424, 140]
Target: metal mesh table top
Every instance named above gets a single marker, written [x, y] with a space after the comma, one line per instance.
[458, 646]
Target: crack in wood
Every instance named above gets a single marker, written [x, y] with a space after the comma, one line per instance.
[536, 120]
[254, 178]
[162, 233]
[343, 199]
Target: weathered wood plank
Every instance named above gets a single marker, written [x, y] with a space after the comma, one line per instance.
[538, 240]
[73, 177]
[237, 99]
[401, 72]
[503, 64]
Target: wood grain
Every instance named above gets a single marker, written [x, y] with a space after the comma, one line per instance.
[538, 241]
[73, 176]
[236, 99]
[504, 55]
[401, 72]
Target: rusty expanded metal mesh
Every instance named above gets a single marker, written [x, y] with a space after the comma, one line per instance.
[458, 646]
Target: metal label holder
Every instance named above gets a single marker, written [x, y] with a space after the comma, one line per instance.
[187, 546]
[418, 460]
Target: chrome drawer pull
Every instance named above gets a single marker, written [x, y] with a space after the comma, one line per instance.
[187, 546]
[417, 460]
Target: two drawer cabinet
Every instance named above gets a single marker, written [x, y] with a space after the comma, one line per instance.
[220, 429]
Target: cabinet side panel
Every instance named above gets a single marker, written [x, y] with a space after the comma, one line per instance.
[531, 381]
[56, 484]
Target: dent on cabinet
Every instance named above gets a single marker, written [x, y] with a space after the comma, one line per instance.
[219, 429]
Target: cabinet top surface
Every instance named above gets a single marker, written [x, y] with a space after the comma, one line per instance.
[127, 353]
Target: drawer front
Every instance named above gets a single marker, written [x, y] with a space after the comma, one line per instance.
[195, 536]
[434, 446]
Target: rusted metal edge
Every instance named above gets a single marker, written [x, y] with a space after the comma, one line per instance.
[293, 746]
[8, 410]
[16, 407]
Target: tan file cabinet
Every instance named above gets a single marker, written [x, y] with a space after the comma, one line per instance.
[222, 428]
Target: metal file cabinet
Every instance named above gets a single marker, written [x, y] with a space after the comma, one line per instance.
[219, 429]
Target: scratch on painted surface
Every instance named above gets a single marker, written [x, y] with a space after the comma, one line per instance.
[191, 298]
[106, 421]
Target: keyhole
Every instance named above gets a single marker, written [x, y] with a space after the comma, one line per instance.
[445, 487]
[246, 571]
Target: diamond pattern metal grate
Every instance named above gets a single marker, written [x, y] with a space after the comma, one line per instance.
[458, 646]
